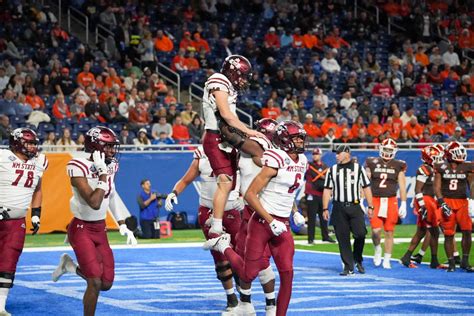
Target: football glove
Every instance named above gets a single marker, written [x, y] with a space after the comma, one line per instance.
[4, 214]
[171, 199]
[277, 227]
[298, 219]
[35, 222]
[216, 226]
[131, 240]
[402, 210]
[446, 209]
[423, 212]
[471, 207]
[99, 162]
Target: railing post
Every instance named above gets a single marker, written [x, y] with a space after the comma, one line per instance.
[377, 15]
[68, 19]
[60, 11]
[355, 9]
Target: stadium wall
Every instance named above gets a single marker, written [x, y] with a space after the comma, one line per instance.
[163, 169]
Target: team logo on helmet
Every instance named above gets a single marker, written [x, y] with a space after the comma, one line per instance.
[388, 149]
[24, 140]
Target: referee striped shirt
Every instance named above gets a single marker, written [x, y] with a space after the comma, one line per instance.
[345, 181]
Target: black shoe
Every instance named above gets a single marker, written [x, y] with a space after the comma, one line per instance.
[434, 265]
[417, 258]
[457, 260]
[329, 239]
[311, 242]
[467, 268]
[405, 261]
[346, 272]
[360, 267]
[451, 268]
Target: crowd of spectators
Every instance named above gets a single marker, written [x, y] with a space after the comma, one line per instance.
[344, 77]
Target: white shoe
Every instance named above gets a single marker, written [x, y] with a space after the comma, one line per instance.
[245, 309]
[270, 310]
[5, 313]
[229, 311]
[386, 264]
[220, 243]
[378, 256]
[62, 267]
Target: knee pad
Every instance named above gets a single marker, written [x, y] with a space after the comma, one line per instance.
[222, 272]
[6, 279]
[266, 275]
[224, 178]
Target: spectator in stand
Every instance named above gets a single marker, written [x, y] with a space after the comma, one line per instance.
[312, 130]
[464, 68]
[407, 89]
[233, 34]
[188, 114]
[163, 140]
[124, 137]
[352, 112]
[423, 89]
[271, 110]
[80, 142]
[345, 136]
[434, 76]
[464, 88]
[170, 98]
[86, 78]
[5, 127]
[107, 18]
[286, 38]
[466, 114]
[370, 63]
[346, 101]
[92, 108]
[8, 104]
[357, 126]
[329, 137]
[450, 84]
[407, 115]
[35, 101]
[200, 43]
[44, 86]
[64, 84]
[436, 58]
[404, 137]
[191, 62]
[361, 138]
[319, 95]
[465, 40]
[318, 112]
[284, 116]
[457, 137]
[49, 144]
[447, 71]
[450, 57]
[421, 57]
[365, 109]
[146, 51]
[196, 129]
[329, 123]
[66, 141]
[426, 137]
[138, 116]
[311, 41]
[161, 126]
[375, 128]
[414, 129]
[112, 78]
[22, 109]
[141, 141]
[163, 42]
[297, 41]
[172, 113]
[61, 108]
[435, 112]
[179, 61]
[334, 40]
[4, 78]
[272, 40]
[383, 89]
[180, 131]
[329, 63]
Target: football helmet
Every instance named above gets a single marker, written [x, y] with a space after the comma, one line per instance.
[24, 140]
[285, 134]
[388, 148]
[455, 152]
[431, 154]
[238, 70]
[266, 126]
[441, 154]
[104, 140]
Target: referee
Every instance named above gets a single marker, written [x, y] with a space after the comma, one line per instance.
[344, 181]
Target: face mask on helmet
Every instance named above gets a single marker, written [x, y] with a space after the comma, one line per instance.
[290, 137]
[104, 140]
[24, 141]
[388, 149]
[458, 154]
[238, 70]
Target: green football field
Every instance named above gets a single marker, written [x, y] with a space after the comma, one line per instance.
[195, 235]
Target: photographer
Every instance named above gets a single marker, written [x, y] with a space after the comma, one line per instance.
[149, 203]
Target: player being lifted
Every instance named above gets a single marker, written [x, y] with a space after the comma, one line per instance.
[200, 167]
[21, 170]
[225, 133]
[271, 195]
[450, 185]
[387, 175]
[428, 213]
[94, 193]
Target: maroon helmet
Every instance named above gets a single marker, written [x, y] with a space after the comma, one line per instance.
[238, 70]
[19, 140]
[266, 126]
[284, 136]
[104, 140]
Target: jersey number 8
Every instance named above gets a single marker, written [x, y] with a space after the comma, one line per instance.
[29, 178]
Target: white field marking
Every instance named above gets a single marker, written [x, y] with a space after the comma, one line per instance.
[139, 246]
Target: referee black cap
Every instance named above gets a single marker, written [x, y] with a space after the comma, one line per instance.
[342, 148]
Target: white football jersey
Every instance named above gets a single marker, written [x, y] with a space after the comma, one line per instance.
[18, 181]
[209, 184]
[248, 169]
[278, 196]
[82, 167]
[216, 82]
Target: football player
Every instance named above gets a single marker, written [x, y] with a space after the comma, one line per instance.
[21, 171]
[271, 195]
[451, 184]
[200, 167]
[92, 181]
[225, 133]
[428, 214]
[387, 175]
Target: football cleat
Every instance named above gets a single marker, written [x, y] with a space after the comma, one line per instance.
[62, 268]
[229, 311]
[378, 256]
[417, 258]
[270, 310]
[386, 264]
[5, 313]
[219, 244]
[246, 309]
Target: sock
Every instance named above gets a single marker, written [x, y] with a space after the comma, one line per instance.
[229, 291]
[421, 252]
[434, 258]
[3, 298]
[456, 254]
[245, 295]
[378, 248]
[270, 299]
[451, 261]
[387, 256]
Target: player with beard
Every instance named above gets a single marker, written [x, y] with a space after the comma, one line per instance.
[21, 171]
[387, 175]
[452, 180]
[92, 181]
[271, 195]
[200, 167]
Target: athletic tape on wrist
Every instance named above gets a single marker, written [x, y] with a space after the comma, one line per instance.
[102, 185]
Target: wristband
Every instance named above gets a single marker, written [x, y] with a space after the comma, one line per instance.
[102, 185]
[325, 209]
[36, 211]
[371, 207]
[175, 193]
[419, 199]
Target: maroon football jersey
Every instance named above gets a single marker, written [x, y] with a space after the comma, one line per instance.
[384, 175]
[425, 174]
[454, 180]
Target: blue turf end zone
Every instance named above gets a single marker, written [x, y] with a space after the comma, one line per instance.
[181, 281]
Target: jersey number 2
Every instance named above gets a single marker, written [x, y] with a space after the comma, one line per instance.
[383, 178]
[296, 184]
[29, 178]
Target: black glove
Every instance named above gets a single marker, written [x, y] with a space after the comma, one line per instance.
[4, 214]
[423, 212]
[446, 209]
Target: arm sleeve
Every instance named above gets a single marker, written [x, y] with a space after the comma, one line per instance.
[364, 178]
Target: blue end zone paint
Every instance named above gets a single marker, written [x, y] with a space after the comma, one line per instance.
[181, 281]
